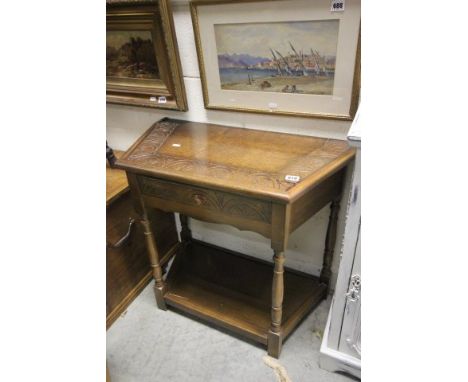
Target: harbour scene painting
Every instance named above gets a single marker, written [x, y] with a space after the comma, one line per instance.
[284, 57]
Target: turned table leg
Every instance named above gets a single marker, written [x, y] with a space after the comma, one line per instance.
[330, 242]
[275, 339]
[159, 286]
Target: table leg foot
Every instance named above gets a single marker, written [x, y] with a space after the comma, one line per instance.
[159, 286]
[275, 343]
[159, 294]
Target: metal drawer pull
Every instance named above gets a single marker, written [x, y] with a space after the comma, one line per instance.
[125, 238]
[354, 292]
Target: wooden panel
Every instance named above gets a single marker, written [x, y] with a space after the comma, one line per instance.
[251, 162]
[208, 205]
[222, 202]
[164, 229]
[315, 199]
[209, 216]
[281, 218]
[128, 269]
[126, 266]
[233, 291]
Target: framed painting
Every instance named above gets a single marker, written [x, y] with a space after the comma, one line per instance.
[286, 57]
[142, 61]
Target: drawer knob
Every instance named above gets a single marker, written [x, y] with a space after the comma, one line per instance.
[198, 199]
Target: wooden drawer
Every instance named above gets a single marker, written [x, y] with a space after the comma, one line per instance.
[206, 204]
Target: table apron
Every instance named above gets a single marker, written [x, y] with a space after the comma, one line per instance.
[208, 205]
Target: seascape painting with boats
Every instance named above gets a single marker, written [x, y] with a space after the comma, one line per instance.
[285, 57]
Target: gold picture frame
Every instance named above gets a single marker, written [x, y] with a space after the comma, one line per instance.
[142, 60]
[331, 91]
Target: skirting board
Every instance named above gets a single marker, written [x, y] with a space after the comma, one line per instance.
[335, 361]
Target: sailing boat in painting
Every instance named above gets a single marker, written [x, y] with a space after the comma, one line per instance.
[286, 57]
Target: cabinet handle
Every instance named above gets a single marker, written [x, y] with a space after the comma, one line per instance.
[354, 292]
[125, 238]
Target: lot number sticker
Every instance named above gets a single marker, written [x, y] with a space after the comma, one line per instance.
[337, 5]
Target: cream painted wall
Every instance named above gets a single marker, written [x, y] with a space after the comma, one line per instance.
[126, 123]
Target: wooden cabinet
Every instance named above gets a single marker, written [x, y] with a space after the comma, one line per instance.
[128, 269]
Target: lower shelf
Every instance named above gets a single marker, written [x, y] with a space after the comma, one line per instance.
[233, 291]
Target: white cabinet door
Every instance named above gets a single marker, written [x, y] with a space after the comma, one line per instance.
[351, 235]
[350, 339]
[341, 345]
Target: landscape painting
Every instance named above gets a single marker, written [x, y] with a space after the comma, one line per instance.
[285, 57]
[130, 54]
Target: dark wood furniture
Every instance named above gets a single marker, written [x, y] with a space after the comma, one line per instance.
[237, 176]
[128, 269]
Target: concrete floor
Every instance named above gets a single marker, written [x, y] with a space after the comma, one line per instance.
[147, 344]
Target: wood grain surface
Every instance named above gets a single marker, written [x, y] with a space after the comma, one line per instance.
[116, 181]
[248, 161]
[233, 291]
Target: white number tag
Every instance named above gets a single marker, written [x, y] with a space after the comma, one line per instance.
[292, 178]
[337, 5]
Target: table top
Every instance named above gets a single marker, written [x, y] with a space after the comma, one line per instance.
[246, 161]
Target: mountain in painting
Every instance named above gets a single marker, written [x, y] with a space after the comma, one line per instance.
[239, 60]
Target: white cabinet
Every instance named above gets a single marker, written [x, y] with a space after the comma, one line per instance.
[350, 338]
[341, 345]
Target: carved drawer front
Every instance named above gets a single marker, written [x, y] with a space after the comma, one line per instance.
[217, 201]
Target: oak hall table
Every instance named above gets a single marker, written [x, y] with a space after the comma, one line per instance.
[237, 176]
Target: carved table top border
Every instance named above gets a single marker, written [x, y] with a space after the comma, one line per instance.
[144, 155]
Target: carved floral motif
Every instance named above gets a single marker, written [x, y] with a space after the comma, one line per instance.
[154, 140]
[226, 203]
[147, 155]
